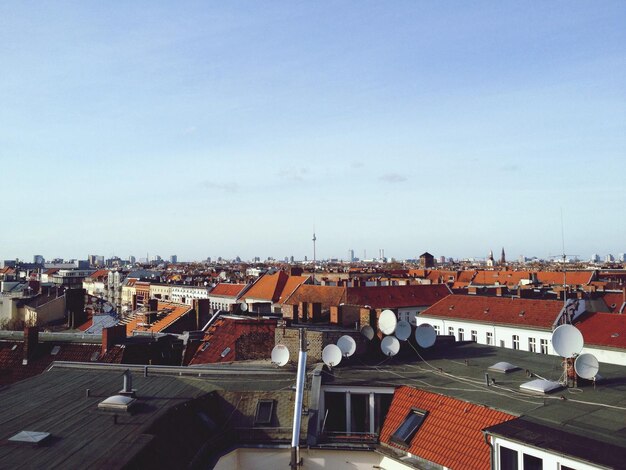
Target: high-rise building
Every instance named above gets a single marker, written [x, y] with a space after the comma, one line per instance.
[351, 255]
[38, 259]
[132, 259]
[173, 259]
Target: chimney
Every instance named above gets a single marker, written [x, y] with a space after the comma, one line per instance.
[112, 336]
[153, 305]
[31, 339]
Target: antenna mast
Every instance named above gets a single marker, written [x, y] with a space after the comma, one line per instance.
[314, 259]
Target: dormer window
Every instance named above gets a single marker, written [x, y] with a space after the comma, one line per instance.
[409, 427]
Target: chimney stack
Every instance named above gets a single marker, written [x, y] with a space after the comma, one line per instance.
[31, 339]
[112, 336]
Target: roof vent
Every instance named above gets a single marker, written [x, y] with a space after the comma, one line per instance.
[225, 352]
[540, 386]
[55, 350]
[487, 310]
[614, 335]
[117, 403]
[30, 437]
[522, 313]
[503, 367]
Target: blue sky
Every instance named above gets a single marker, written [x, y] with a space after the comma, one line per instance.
[233, 128]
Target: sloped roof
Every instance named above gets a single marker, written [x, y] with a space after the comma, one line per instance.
[100, 273]
[502, 278]
[451, 435]
[225, 289]
[291, 285]
[613, 300]
[603, 329]
[396, 296]
[12, 353]
[169, 312]
[328, 296]
[576, 278]
[501, 310]
[270, 287]
[234, 339]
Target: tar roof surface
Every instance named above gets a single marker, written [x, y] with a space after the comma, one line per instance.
[57, 403]
[582, 411]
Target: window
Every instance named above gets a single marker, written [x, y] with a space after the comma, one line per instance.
[264, 411]
[532, 463]
[515, 342]
[436, 328]
[409, 427]
[544, 346]
[451, 330]
[461, 334]
[475, 336]
[508, 459]
[489, 338]
[532, 346]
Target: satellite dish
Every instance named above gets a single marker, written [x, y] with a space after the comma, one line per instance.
[403, 330]
[280, 355]
[368, 332]
[567, 341]
[107, 308]
[347, 345]
[390, 346]
[243, 307]
[387, 322]
[425, 335]
[586, 366]
[331, 355]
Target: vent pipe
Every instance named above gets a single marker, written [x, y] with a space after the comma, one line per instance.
[297, 411]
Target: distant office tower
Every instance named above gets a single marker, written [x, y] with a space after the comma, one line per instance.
[38, 259]
[132, 259]
[173, 259]
[350, 255]
[595, 258]
[622, 257]
[609, 258]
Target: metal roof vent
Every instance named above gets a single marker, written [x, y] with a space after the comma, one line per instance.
[540, 386]
[55, 350]
[117, 403]
[30, 437]
[503, 367]
[225, 352]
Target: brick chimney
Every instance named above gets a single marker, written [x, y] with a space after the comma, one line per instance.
[31, 339]
[111, 336]
[153, 305]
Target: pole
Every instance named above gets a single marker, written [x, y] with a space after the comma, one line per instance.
[297, 410]
[314, 261]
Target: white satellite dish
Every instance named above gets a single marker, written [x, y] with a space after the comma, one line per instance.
[107, 308]
[425, 335]
[586, 366]
[567, 340]
[347, 345]
[331, 355]
[390, 346]
[387, 322]
[368, 332]
[403, 330]
[280, 355]
[243, 307]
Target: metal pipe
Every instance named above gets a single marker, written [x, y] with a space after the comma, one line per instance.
[297, 410]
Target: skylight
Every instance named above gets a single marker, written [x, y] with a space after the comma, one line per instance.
[409, 427]
[503, 367]
[264, 411]
[540, 386]
[30, 437]
[55, 350]
[225, 352]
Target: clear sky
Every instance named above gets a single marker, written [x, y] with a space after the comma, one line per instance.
[233, 128]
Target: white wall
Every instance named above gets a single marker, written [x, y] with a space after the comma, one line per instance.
[500, 333]
[313, 459]
[550, 461]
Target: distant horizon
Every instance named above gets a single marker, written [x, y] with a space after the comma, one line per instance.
[221, 128]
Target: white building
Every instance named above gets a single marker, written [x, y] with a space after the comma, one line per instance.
[187, 294]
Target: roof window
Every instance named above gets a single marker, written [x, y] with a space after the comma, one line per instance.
[225, 352]
[264, 412]
[55, 350]
[503, 367]
[30, 437]
[409, 427]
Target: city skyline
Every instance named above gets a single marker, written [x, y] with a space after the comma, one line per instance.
[233, 130]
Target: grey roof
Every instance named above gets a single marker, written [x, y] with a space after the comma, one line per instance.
[598, 413]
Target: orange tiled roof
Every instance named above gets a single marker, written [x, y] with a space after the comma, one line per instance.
[270, 287]
[172, 311]
[503, 310]
[225, 289]
[291, 285]
[328, 296]
[451, 433]
[614, 300]
[100, 273]
[396, 296]
[502, 278]
[577, 278]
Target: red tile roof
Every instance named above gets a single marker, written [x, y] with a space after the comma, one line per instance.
[603, 329]
[169, 312]
[451, 433]
[502, 278]
[614, 300]
[247, 338]
[396, 296]
[328, 296]
[576, 278]
[270, 287]
[291, 285]
[225, 289]
[501, 310]
[100, 273]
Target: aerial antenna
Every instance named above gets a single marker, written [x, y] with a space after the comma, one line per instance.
[563, 257]
[314, 257]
